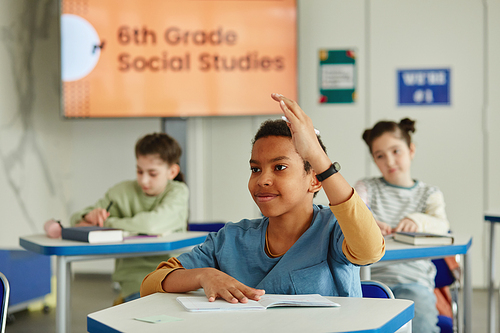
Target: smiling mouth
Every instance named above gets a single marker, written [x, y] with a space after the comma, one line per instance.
[265, 197]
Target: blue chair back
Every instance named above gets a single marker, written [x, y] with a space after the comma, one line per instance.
[4, 301]
[444, 277]
[205, 226]
[375, 289]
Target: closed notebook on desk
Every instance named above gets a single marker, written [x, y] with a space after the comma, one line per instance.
[93, 234]
[423, 238]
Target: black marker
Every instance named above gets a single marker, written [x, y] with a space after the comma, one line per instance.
[109, 206]
[59, 222]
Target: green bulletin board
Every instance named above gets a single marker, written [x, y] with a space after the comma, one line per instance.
[337, 76]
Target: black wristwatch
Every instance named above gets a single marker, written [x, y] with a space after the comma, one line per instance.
[333, 169]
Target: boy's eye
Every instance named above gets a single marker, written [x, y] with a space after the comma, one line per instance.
[280, 167]
[254, 169]
[153, 175]
[396, 151]
[139, 172]
[378, 157]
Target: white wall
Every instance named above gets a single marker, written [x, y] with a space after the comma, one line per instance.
[492, 120]
[49, 167]
[34, 166]
[448, 138]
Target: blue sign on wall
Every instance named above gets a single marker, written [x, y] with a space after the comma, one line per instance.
[424, 87]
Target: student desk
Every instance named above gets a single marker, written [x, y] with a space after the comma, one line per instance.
[493, 217]
[353, 315]
[68, 251]
[400, 251]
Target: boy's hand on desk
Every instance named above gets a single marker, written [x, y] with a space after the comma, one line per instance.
[97, 216]
[218, 284]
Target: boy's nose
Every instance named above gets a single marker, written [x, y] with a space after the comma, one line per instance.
[265, 179]
[143, 180]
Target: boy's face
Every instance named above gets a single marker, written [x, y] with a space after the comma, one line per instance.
[393, 158]
[153, 174]
[279, 184]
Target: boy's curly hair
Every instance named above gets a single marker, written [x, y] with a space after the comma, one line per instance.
[279, 127]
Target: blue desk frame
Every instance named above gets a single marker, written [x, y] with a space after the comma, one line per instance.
[396, 251]
[68, 251]
[493, 218]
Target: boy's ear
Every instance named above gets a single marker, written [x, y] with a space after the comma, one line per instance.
[173, 171]
[315, 183]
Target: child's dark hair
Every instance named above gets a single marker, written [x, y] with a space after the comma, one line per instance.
[280, 128]
[402, 130]
[163, 145]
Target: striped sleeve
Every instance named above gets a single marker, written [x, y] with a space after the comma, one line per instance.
[434, 218]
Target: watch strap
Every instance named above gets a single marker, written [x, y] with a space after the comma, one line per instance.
[333, 169]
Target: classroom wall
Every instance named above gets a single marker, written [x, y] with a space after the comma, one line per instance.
[492, 121]
[51, 167]
[34, 163]
[448, 138]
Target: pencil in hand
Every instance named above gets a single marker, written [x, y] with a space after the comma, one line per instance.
[109, 206]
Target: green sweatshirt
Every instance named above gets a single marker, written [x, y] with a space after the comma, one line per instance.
[136, 212]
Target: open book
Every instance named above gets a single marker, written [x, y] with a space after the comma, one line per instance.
[201, 303]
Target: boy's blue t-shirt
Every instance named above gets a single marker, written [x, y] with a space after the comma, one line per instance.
[315, 264]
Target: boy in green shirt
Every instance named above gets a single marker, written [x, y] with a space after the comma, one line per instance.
[155, 203]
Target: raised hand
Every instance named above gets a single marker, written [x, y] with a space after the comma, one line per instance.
[307, 145]
[303, 133]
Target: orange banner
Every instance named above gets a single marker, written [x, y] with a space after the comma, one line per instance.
[177, 58]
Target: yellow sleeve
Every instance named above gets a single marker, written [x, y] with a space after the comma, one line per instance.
[363, 241]
[152, 283]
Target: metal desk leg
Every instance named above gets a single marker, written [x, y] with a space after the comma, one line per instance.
[63, 294]
[491, 285]
[365, 273]
[468, 292]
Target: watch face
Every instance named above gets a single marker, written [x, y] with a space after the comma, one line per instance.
[336, 165]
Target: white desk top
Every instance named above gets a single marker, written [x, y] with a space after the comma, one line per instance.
[55, 246]
[354, 315]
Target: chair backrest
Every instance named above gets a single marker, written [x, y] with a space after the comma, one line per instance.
[375, 289]
[4, 300]
[444, 277]
[215, 226]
